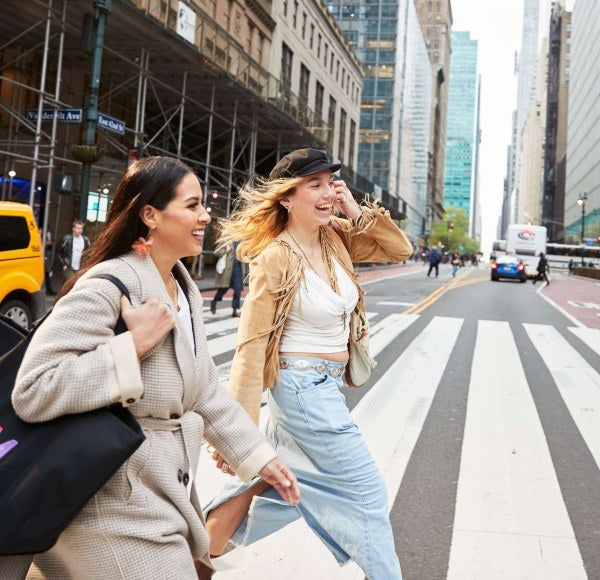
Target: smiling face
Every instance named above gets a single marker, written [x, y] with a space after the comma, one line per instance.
[310, 204]
[178, 230]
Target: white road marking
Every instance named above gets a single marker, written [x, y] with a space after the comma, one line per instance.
[577, 381]
[510, 519]
[591, 337]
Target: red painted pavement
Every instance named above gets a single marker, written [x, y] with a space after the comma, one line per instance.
[576, 295]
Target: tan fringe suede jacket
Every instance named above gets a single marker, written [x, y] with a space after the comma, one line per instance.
[274, 278]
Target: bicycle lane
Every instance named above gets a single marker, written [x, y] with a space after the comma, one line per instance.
[576, 296]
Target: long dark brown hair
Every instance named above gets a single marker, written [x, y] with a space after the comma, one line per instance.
[149, 181]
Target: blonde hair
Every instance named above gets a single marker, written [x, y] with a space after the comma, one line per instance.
[260, 217]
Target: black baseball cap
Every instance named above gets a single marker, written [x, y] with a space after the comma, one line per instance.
[303, 162]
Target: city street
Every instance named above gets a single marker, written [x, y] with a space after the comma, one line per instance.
[482, 416]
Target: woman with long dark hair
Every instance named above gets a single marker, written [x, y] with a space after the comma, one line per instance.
[146, 521]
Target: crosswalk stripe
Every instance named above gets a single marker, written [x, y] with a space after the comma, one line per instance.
[590, 336]
[385, 331]
[577, 381]
[398, 403]
[510, 518]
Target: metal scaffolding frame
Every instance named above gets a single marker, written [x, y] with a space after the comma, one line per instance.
[173, 99]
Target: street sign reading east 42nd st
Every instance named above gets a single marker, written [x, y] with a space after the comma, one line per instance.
[110, 123]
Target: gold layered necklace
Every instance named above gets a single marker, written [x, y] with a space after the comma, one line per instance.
[328, 265]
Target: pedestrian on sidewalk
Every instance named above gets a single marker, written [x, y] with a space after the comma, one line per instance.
[541, 270]
[293, 339]
[145, 522]
[434, 258]
[71, 249]
[232, 276]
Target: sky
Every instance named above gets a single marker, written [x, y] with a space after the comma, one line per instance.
[497, 28]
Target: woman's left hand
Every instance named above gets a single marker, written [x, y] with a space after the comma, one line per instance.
[345, 200]
[282, 479]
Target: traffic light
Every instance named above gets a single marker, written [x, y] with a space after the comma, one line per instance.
[450, 225]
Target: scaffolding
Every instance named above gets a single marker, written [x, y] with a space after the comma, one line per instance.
[205, 102]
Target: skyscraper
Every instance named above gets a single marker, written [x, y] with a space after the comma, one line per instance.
[462, 116]
[396, 100]
[536, 18]
[436, 23]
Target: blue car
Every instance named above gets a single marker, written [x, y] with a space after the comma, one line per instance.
[508, 267]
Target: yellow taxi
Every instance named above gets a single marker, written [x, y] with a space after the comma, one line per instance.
[22, 296]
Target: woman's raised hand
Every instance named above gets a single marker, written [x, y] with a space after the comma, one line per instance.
[148, 324]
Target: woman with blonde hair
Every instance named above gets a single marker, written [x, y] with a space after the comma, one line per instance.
[293, 340]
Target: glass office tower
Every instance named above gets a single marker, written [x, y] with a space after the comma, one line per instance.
[396, 99]
[462, 104]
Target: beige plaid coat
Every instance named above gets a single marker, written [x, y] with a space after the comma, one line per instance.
[146, 521]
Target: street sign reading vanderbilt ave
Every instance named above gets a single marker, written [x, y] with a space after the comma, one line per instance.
[62, 115]
[75, 116]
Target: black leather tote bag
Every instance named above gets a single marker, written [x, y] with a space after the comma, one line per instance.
[50, 470]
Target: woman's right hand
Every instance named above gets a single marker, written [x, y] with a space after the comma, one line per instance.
[148, 324]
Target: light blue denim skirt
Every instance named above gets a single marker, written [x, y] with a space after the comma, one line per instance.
[343, 496]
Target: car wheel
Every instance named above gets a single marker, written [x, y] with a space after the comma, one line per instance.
[17, 311]
[494, 279]
[523, 279]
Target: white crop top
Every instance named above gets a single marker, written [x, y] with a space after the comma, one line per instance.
[315, 323]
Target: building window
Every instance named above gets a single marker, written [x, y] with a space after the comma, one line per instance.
[337, 71]
[331, 63]
[303, 25]
[351, 143]
[319, 39]
[286, 68]
[342, 142]
[331, 119]
[304, 80]
[295, 15]
[319, 93]
[325, 55]
[260, 47]
[285, 7]
[312, 36]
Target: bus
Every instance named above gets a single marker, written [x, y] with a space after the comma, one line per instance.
[526, 241]
[559, 255]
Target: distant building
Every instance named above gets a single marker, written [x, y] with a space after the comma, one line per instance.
[559, 53]
[535, 27]
[583, 154]
[529, 209]
[436, 24]
[396, 101]
[462, 116]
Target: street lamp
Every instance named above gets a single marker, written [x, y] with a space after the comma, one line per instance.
[581, 201]
[11, 174]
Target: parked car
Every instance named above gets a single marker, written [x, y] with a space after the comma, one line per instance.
[22, 297]
[508, 267]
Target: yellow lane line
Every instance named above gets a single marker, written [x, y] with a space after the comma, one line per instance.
[436, 294]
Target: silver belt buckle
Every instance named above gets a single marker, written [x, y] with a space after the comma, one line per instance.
[283, 363]
[321, 368]
[335, 371]
[301, 365]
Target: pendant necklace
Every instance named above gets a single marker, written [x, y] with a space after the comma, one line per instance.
[329, 265]
[174, 292]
